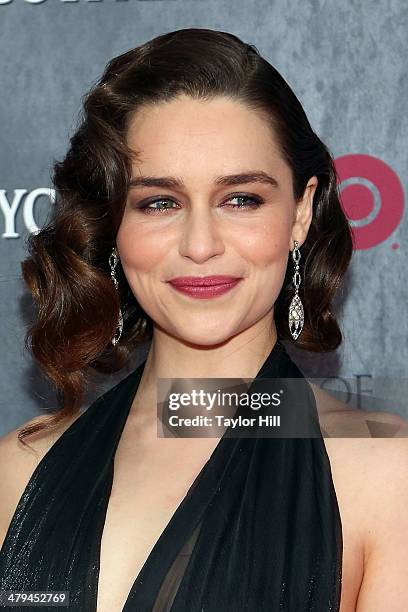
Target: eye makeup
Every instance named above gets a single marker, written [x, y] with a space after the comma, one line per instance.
[251, 202]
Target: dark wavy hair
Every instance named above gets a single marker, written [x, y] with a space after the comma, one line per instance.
[67, 271]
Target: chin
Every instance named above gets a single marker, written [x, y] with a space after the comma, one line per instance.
[201, 335]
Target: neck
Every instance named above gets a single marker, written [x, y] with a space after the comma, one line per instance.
[240, 357]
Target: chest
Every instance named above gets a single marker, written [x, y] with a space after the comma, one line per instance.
[147, 490]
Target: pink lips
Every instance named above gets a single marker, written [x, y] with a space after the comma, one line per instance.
[204, 286]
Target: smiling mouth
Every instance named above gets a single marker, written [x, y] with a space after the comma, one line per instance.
[209, 290]
[203, 281]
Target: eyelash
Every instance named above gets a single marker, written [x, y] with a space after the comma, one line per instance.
[256, 203]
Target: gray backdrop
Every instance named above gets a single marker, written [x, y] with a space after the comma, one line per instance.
[346, 62]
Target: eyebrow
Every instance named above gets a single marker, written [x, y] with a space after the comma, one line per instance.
[258, 176]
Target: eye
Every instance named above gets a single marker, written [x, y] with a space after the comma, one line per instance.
[147, 207]
[251, 202]
[255, 201]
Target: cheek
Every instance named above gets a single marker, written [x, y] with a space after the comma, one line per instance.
[138, 248]
[265, 244]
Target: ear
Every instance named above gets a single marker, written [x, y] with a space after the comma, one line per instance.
[303, 213]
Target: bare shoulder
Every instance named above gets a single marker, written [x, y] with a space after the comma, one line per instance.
[371, 481]
[368, 452]
[369, 464]
[18, 462]
[339, 420]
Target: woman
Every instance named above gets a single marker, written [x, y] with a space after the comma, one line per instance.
[193, 158]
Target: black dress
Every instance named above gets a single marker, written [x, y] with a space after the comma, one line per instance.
[259, 529]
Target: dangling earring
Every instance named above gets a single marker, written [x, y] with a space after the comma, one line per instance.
[113, 260]
[296, 313]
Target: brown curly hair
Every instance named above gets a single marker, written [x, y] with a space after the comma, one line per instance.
[67, 270]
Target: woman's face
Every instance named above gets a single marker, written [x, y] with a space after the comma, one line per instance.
[203, 225]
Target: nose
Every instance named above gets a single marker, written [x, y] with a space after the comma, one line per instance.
[200, 234]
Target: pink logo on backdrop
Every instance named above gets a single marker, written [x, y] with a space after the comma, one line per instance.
[372, 197]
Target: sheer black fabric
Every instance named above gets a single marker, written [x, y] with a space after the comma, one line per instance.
[258, 530]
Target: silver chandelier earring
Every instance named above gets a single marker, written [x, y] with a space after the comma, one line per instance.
[296, 313]
[113, 261]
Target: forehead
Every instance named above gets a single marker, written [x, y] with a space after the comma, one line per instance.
[219, 134]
